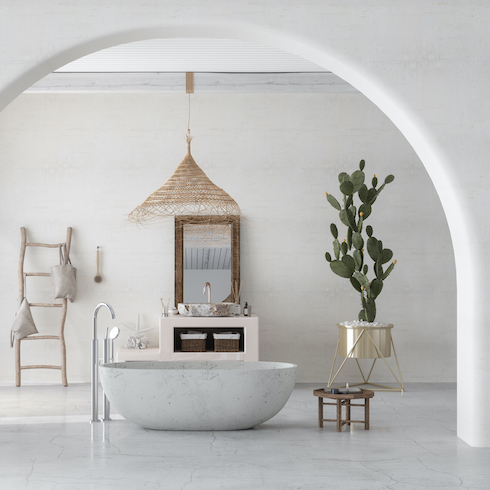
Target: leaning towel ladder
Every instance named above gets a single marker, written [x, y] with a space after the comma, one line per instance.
[63, 305]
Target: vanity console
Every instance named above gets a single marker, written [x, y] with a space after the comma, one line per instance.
[172, 326]
[170, 348]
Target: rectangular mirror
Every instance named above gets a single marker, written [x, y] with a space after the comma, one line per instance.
[207, 249]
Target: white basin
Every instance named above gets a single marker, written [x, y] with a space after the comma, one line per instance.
[206, 309]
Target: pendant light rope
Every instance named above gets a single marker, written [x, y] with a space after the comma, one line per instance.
[189, 116]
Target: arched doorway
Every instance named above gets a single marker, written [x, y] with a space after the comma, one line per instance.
[407, 124]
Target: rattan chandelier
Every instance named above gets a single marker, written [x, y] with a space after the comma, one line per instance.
[187, 192]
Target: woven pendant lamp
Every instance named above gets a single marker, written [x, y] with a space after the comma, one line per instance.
[187, 192]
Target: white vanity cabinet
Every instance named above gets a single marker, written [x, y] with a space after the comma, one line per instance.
[172, 326]
[170, 344]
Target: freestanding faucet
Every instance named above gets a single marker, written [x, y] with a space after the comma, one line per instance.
[95, 364]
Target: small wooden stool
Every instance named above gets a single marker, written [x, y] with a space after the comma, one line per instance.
[340, 400]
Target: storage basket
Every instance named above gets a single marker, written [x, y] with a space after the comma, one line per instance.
[226, 342]
[193, 341]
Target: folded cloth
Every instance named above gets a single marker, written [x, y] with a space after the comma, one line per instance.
[226, 336]
[23, 324]
[193, 335]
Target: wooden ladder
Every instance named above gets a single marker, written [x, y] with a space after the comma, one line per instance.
[63, 305]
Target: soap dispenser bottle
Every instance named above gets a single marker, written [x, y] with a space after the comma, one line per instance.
[245, 309]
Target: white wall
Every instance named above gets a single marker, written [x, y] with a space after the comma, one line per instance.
[87, 160]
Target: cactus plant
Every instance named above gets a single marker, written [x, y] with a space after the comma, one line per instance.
[349, 256]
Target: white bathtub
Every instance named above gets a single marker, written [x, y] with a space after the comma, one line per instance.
[198, 395]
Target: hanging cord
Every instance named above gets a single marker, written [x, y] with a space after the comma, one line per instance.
[189, 88]
[188, 136]
[189, 118]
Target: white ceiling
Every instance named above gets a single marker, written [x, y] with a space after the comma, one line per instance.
[219, 66]
[196, 55]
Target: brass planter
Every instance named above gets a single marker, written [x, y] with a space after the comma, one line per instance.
[365, 342]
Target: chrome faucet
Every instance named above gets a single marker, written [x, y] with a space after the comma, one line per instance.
[95, 364]
[208, 287]
[108, 356]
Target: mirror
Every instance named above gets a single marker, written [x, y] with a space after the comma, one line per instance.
[207, 249]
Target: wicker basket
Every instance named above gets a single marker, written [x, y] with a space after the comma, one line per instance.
[226, 344]
[192, 344]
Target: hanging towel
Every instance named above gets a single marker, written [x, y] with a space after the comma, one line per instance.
[24, 323]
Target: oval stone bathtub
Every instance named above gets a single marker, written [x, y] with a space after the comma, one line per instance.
[198, 395]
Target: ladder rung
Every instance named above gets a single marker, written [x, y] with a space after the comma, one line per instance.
[40, 367]
[46, 245]
[47, 305]
[42, 337]
[42, 274]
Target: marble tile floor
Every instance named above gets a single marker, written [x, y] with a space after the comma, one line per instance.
[47, 443]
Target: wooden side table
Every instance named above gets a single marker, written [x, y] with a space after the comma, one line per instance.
[343, 400]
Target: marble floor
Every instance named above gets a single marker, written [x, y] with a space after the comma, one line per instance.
[47, 443]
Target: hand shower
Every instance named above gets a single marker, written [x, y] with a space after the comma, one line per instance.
[108, 350]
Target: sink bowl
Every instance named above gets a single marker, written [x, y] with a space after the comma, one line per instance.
[206, 309]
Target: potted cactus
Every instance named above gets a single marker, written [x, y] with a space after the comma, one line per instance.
[350, 257]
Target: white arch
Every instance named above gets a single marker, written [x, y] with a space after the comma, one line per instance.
[408, 123]
[357, 76]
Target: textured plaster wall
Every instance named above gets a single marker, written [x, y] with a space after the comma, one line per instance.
[87, 160]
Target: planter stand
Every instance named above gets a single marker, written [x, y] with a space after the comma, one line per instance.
[364, 342]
